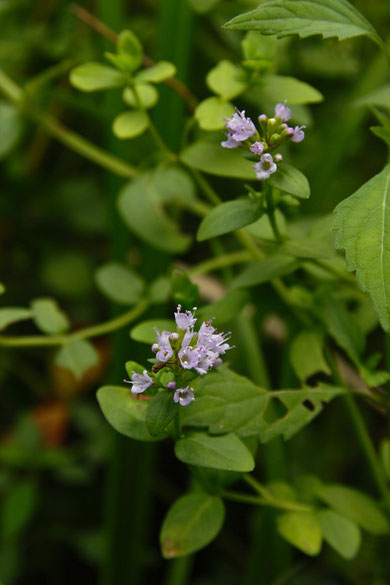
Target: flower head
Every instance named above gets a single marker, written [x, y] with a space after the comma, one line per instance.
[184, 320]
[257, 148]
[298, 134]
[239, 128]
[184, 396]
[265, 167]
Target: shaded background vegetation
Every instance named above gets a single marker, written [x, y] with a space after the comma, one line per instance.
[78, 501]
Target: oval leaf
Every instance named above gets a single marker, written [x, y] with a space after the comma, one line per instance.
[216, 160]
[48, 317]
[140, 204]
[357, 506]
[145, 332]
[95, 76]
[161, 411]
[10, 315]
[277, 88]
[156, 73]
[119, 283]
[125, 413]
[228, 217]
[191, 523]
[211, 112]
[225, 452]
[146, 94]
[130, 124]
[363, 224]
[329, 18]
[226, 80]
[340, 533]
[302, 530]
[77, 356]
[271, 267]
[289, 180]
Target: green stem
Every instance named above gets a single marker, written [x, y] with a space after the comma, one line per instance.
[93, 331]
[259, 501]
[72, 140]
[271, 213]
[179, 570]
[362, 433]
[207, 189]
[220, 262]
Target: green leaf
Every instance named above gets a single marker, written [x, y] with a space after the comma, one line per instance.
[130, 49]
[277, 88]
[95, 76]
[357, 506]
[382, 133]
[161, 411]
[18, 508]
[130, 124]
[258, 50]
[146, 94]
[11, 127]
[140, 204]
[229, 216]
[226, 402]
[226, 80]
[77, 356]
[211, 112]
[290, 180]
[10, 315]
[343, 327]
[225, 309]
[329, 18]
[271, 267]
[363, 224]
[125, 413]
[302, 530]
[216, 160]
[144, 332]
[192, 523]
[340, 533]
[203, 6]
[306, 355]
[224, 452]
[262, 227]
[48, 317]
[2, 288]
[156, 73]
[119, 283]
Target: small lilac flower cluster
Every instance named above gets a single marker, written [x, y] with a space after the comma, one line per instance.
[186, 353]
[241, 131]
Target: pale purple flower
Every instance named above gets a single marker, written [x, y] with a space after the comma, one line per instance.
[230, 143]
[257, 148]
[283, 112]
[262, 118]
[184, 396]
[163, 346]
[206, 361]
[239, 129]
[140, 382]
[278, 158]
[189, 357]
[171, 385]
[184, 320]
[298, 134]
[265, 167]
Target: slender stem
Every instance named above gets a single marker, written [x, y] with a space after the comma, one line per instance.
[259, 501]
[257, 486]
[220, 262]
[178, 86]
[207, 189]
[93, 331]
[362, 433]
[71, 139]
[271, 213]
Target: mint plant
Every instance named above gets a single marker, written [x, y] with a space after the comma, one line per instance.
[274, 266]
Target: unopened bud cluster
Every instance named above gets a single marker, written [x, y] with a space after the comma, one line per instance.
[241, 131]
[186, 353]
